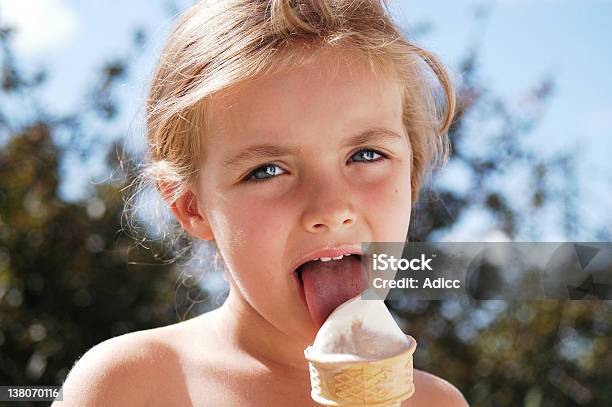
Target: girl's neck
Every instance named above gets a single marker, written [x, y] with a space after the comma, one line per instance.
[247, 330]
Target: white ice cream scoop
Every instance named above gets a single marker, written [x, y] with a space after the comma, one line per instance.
[360, 356]
[359, 330]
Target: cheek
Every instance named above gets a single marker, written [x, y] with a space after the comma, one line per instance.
[387, 204]
[259, 225]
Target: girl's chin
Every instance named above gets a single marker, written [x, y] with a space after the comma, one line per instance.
[308, 337]
[306, 331]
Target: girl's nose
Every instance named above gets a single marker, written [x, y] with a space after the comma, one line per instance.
[329, 208]
[330, 218]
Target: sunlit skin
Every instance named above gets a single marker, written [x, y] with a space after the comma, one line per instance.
[324, 193]
[249, 351]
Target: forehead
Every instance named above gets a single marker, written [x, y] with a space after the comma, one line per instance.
[337, 92]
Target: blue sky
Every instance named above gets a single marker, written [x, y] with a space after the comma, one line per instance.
[522, 42]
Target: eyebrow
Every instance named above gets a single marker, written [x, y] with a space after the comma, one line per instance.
[267, 151]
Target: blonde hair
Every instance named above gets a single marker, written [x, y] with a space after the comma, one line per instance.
[219, 44]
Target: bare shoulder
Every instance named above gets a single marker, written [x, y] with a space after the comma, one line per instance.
[432, 391]
[127, 370]
[114, 372]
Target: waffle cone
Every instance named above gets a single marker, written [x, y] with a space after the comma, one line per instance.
[385, 382]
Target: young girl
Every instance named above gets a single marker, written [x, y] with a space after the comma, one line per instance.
[279, 131]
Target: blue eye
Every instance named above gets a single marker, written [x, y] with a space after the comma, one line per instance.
[267, 171]
[368, 154]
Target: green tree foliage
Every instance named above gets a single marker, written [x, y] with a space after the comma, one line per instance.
[509, 353]
[70, 275]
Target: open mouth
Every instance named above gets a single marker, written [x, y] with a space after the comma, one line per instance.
[298, 271]
[325, 284]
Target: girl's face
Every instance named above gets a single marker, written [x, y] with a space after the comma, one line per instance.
[282, 177]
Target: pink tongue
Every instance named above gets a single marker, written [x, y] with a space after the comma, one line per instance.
[329, 284]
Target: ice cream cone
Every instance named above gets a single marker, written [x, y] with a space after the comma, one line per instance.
[384, 382]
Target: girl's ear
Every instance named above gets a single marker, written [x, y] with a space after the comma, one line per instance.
[187, 212]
